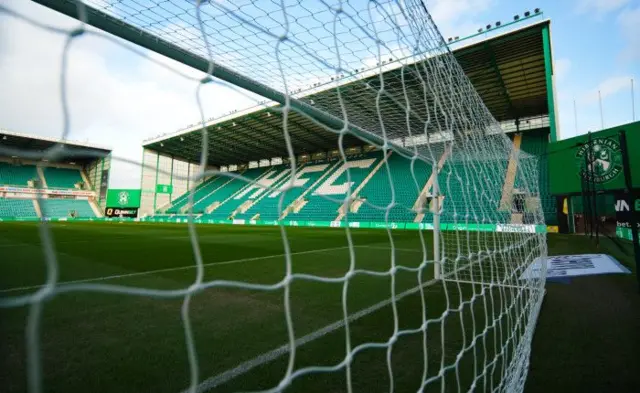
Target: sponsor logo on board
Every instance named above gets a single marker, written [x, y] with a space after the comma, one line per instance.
[602, 163]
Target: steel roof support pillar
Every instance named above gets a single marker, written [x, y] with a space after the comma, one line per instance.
[548, 70]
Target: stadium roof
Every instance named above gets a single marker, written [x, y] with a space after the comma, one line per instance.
[511, 72]
[19, 145]
[507, 70]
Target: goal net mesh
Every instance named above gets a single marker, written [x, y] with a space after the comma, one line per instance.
[379, 71]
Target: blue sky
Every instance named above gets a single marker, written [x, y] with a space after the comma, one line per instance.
[118, 98]
[596, 46]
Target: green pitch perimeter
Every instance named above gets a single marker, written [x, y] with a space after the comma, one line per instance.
[98, 342]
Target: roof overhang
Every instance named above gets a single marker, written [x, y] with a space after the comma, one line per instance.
[507, 70]
[24, 146]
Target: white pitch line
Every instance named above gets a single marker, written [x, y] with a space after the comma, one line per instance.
[272, 355]
[171, 269]
[389, 248]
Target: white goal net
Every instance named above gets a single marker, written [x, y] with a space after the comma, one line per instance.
[375, 76]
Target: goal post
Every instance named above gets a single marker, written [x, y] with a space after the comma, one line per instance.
[380, 72]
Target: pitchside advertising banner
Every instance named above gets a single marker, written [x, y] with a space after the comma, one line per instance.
[624, 210]
[117, 212]
[122, 203]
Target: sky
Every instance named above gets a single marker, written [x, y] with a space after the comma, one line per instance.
[119, 96]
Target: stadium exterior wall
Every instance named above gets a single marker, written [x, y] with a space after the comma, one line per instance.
[163, 170]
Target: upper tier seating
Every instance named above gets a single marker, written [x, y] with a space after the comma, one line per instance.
[61, 177]
[17, 175]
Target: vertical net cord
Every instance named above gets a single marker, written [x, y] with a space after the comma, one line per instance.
[346, 206]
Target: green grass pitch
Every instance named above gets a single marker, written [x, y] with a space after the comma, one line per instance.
[93, 341]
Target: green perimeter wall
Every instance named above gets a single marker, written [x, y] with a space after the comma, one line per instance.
[566, 158]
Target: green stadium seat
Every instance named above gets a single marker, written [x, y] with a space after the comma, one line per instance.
[378, 192]
[239, 192]
[324, 206]
[470, 187]
[536, 143]
[58, 208]
[228, 187]
[17, 208]
[61, 177]
[17, 175]
[268, 205]
[201, 191]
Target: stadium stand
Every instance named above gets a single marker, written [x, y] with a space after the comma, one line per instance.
[56, 208]
[320, 203]
[378, 193]
[536, 143]
[201, 191]
[242, 195]
[17, 175]
[476, 199]
[321, 185]
[61, 177]
[232, 185]
[17, 208]
[266, 208]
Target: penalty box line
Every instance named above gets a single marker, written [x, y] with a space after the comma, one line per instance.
[268, 357]
[173, 269]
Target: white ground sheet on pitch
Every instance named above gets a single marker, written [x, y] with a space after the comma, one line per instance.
[575, 265]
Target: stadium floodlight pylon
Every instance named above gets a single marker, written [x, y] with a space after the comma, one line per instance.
[381, 71]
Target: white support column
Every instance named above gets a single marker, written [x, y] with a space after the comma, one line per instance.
[436, 226]
[41, 176]
[36, 207]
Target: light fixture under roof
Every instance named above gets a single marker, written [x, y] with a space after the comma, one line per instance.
[181, 139]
